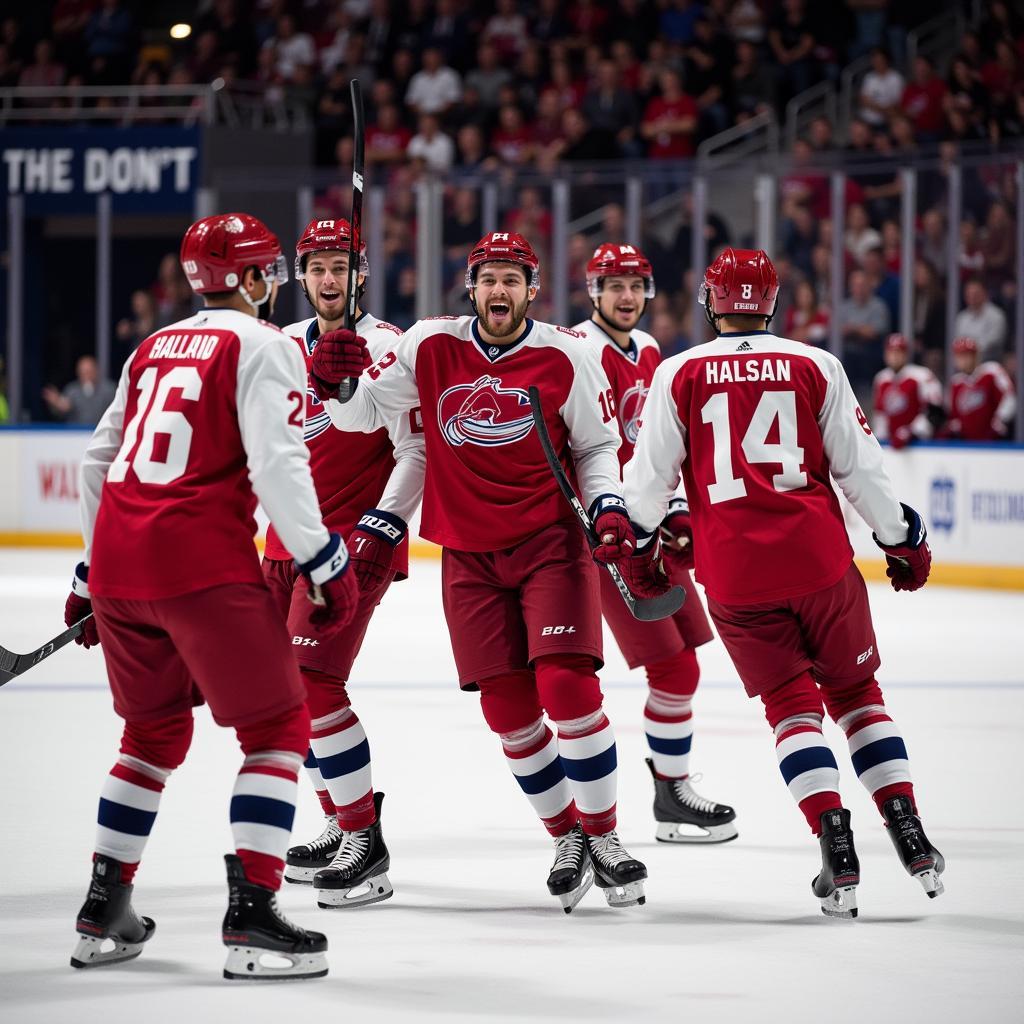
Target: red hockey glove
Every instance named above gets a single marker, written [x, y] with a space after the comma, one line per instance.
[911, 561]
[338, 356]
[79, 605]
[999, 428]
[677, 536]
[372, 546]
[901, 437]
[645, 573]
[333, 590]
[614, 532]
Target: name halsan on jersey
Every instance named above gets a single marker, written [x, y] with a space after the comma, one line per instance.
[731, 371]
[184, 346]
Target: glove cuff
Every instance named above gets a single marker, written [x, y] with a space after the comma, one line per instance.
[916, 532]
[80, 582]
[331, 561]
[385, 525]
[607, 503]
[646, 540]
[677, 506]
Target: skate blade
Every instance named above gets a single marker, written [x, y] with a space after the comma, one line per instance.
[842, 903]
[300, 876]
[931, 882]
[673, 832]
[569, 900]
[90, 952]
[629, 895]
[250, 963]
[373, 890]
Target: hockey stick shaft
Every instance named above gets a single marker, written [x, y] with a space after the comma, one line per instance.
[641, 608]
[346, 386]
[12, 664]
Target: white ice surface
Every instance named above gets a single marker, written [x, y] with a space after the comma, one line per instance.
[728, 933]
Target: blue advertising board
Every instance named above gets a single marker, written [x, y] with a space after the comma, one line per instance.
[150, 169]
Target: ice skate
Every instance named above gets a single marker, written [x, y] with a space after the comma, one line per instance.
[685, 817]
[836, 885]
[620, 875]
[358, 873]
[107, 917]
[572, 873]
[303, 862]
[919, 857]
[260, 938]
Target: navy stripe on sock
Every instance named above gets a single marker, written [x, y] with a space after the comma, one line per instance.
[348, 761]
[891, 748]
[806, 760]
[310, 761]
[541, 781]
[671, 746]
[589, 769]
[121, 818]
[262, 810]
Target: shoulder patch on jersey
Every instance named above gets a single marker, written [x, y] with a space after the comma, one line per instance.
[569, 331]
[267, 323]
[440, 318]
[383, 325]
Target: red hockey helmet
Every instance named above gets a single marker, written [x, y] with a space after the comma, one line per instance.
[503, 247]
[740, 282]
[611, 260]
[324, 236]
[898, 342]
[216, 251]
[965, 345]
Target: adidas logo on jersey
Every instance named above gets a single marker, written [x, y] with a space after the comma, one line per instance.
[744, 346]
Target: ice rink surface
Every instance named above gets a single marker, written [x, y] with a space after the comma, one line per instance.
[728, 933]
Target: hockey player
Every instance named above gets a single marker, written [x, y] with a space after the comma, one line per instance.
[207, 419]
[758, 425]
[620, 281]
[520, 586]
[907, 397]
[368, 486]
[982, 403]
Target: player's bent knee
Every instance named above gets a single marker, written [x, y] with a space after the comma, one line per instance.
[568, 686]
[509, 701]
[162, 742]
[796, 696]
[842, 700]
[678, 674]
[325, 694]
[288, 731]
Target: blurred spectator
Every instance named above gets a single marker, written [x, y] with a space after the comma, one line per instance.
[472, 149]
[171, 291]
[9, 68]
[746, 22]
[430, 149]
[753, 82]
[139, 325]
[678, 20]
[998, 247]
[506, 30]
[291, 48]
[488, 76]
[462, 226]
[448, 31]
[860, 235]
[971, 258]
[109, 42]
[933, 244]
[865, 322]
[670, 120]
[435, 88]
[44, 71]
[549, 25]
[929, 314]
[884, 284]
[512, 141]
[966, 93]
[981, 320]
[709, 61]
[666, 330]
[792, 44]
[922, 100]
[532, 217]
[580, 142]
[85, 399]
[881, 90]
[800, 238]
[806, 320]
[820, 134]
[610, 108]
[235, 37]
[387, 139]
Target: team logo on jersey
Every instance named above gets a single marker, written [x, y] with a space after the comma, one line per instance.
[895, 401]
[970, 400]
[317, 418]
[484, 413]
[631, 405]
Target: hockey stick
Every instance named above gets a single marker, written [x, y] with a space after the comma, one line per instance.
[12, 664]
[346, 387]
[647, 609]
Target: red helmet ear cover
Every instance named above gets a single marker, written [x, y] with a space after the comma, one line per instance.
[740, 282]
[216, 251]
[611, 260]
[504, 247]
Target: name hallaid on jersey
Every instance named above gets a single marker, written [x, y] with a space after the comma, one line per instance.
[484, 413]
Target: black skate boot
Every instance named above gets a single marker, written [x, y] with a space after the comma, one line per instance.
[836, 885]
[254, 927]
[358, 873]
[919, 857]
[303, 862]
[572, 874]
[685, 817]
[107, 915]
[621, 876]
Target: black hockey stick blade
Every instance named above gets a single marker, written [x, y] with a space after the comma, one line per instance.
[12, 664]
[646, 609]
[347, 386]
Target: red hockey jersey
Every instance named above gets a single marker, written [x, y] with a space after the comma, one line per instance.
[758, 425]
[354, 472]
[902, 398]
[488, 485]
[981, 404]
[207, 419]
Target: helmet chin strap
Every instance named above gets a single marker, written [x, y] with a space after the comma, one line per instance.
[256, 304]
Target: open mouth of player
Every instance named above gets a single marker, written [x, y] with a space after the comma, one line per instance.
[499, 312]
[626, 311]
[330, 295]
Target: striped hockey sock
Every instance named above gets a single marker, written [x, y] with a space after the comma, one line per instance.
[313, 772]
[808, 766]
[586, 747]
[532, 754]
[128, 804]
[878, 753]
[668, 723]
[342, 754]
[262, 813]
